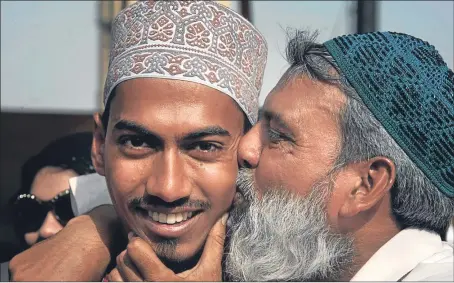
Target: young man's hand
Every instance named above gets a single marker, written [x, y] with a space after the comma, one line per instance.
[140, 263]
[79, 252]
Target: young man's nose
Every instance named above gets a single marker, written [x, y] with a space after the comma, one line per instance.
[169, 180]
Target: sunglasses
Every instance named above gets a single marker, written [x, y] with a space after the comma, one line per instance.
[30, 212]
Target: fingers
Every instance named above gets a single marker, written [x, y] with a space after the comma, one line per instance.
[209, 267]
[147, 262]
[114, 276]
[214, 246]
[127, 269]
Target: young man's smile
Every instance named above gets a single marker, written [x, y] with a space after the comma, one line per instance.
[171, 178]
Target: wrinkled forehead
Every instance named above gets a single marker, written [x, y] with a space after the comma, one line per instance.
[300, 96]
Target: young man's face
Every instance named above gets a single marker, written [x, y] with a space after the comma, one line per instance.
[169, 157]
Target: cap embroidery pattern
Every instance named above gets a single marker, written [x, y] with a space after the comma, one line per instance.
[198, 41]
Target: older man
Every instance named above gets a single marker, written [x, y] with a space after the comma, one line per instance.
[351, 167]
[349, 173]
[181, 89]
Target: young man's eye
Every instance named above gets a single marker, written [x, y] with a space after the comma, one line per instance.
[132, 141]
[136, 146]
[206, 151]
[205, 146]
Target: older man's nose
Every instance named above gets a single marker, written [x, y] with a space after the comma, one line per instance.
[50, 226]
[250, 148]
[169, 180]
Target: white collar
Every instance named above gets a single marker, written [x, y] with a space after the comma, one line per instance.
[399, 256]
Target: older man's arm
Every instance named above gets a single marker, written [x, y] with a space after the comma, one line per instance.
[79, 252]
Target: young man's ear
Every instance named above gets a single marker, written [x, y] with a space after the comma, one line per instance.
[98, 144]
[374, 178]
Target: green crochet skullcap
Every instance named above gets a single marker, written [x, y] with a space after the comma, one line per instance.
[409, 88]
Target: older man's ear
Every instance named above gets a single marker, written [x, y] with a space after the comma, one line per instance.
[362, 193]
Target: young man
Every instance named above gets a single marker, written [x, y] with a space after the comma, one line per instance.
[182, 88]
[171, 176]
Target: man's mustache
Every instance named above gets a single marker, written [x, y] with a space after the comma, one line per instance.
[245, 184]
[153, 201]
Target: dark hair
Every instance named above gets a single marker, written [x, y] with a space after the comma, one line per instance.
[105, 115]
[416, 201]
[69, 152]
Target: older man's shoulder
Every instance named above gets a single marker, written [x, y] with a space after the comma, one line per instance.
[438, 267]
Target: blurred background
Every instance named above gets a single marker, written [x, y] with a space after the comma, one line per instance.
[54, 57]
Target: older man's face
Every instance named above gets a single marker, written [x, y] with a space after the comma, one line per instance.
[288, 230]
[297, 139]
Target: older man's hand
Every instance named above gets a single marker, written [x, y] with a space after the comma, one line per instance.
[140, 263]
[79, 252]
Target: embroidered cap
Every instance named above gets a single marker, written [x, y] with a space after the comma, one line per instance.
[198, 41]
[409, 88]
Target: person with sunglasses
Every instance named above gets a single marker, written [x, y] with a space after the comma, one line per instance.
[42, 206]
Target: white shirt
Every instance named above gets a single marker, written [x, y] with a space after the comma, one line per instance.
[450, 234]
[88, 192]
[411, 255]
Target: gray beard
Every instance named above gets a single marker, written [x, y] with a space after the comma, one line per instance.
[284, 237]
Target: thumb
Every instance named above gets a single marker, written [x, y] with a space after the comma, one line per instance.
[214, 246]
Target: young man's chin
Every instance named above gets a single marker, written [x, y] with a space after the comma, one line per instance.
[176, 261]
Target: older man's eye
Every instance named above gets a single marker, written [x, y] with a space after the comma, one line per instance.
[274, 136]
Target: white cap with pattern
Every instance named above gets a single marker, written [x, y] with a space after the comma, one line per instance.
[198, 41]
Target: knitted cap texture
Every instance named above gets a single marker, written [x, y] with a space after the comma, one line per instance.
[406, 84]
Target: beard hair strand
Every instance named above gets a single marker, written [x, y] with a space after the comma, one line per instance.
[284, 237]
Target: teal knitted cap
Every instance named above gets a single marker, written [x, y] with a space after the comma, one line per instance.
[409, 88]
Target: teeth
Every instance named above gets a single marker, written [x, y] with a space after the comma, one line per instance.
[162, 218]
[170, 218]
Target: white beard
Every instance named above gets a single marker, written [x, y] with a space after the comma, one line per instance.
[283, 237]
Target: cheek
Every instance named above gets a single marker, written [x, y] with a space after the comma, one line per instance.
[218, 185]
[124, 175]
[126, 179]
[266, 174]
[344, 183]
[279, 170]
[295, 170]
[31, 238]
